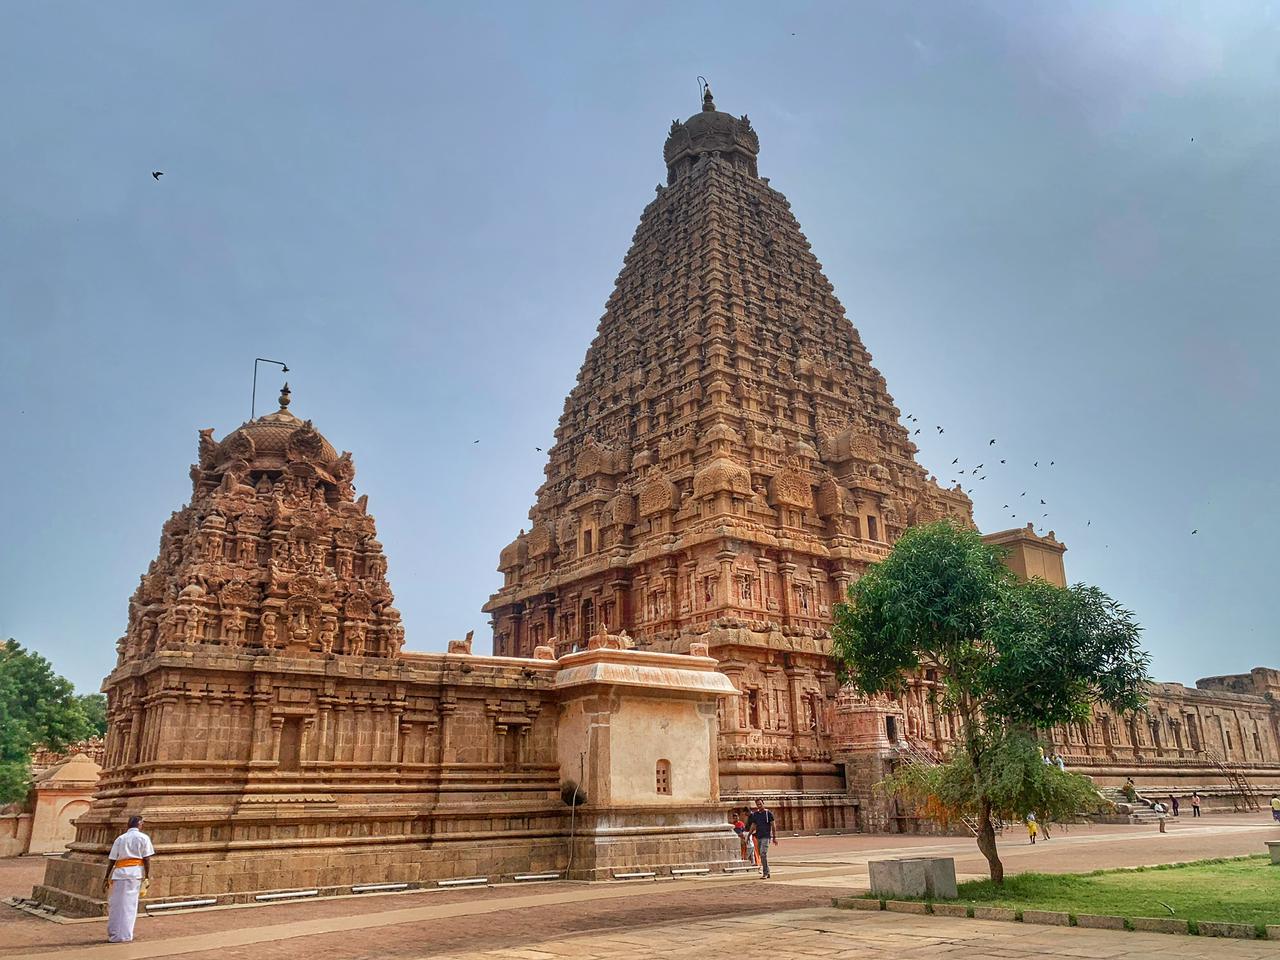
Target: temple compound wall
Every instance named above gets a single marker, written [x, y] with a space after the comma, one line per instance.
[265, 720]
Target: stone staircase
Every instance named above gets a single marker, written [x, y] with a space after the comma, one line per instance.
[1139, 812]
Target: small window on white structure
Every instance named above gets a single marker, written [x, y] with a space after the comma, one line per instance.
[663, 777]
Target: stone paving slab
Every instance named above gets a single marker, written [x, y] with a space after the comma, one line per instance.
[834, 934]
[451, 923]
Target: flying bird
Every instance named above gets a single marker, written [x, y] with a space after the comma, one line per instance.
[982, 478]
[1005, 507]
[978, 467]
[1023, 493]
[991, 442]
[1051, 463]
[955, 461]
[1089, 523]
[917, 432]
[1194, 532]
[1036, 464]
[1002, 461]
[539, 449]
[157, 174]
[475, 441]
[1042, 503]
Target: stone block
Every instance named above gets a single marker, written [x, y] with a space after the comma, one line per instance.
[933, 877]
[994, 913]
[951, 909]
[1159, 924]
[1273, 931]
[906, 906]
[1219, 928]
[1273, 846]
[856, 903]
[1099, 921]
[1052, 918]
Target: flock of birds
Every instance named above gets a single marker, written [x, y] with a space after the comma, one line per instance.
[976, 474]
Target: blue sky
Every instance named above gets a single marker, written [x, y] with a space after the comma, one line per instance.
[1053, 223]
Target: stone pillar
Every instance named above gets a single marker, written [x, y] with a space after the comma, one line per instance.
[277, 726]
[725, 559]
[786, 602]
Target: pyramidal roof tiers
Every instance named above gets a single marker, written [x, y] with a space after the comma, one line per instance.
[728, 449]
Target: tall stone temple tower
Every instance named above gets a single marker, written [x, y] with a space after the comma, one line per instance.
[728, 462]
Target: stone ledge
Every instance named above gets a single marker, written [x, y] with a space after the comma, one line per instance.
[1219, 928]
[1159, 925]
[906, 906]
[1273, 931]
[1098, 921]
[994, 913]
[856, 903]
[1052, 918]
[951, 909]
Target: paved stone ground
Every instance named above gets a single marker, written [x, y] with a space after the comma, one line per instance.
[741, 917]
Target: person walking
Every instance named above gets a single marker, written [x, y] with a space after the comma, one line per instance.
[1275, 807]
[1195, 805]
[1173, 805]
[128, 869]
[763, 830]
[1032, 827]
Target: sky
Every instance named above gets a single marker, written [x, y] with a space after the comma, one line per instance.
[1053, 223]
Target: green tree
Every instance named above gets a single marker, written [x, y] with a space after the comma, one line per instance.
[36, 707]
[94, 708]
[1015, 658]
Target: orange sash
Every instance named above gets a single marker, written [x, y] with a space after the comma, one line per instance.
[129, 862]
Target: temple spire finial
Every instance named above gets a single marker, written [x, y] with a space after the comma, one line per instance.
[707, 102]
[284, 397]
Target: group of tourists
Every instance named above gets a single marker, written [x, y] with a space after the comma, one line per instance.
[1172, 807]
[756, 831]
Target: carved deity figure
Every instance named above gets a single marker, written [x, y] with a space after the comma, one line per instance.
[192, 634]
[301, 626]
[355, 638]
[233, 626]
[328, 633]
[268, 629]
[395, 639]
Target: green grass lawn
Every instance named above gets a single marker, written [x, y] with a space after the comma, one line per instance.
[1244, 890]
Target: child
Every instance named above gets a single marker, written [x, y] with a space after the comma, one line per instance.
[744, 843]
[1032, 827]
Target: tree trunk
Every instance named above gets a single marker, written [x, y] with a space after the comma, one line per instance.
[987, 842]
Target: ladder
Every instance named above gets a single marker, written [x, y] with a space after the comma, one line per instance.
[921, 755]
[1243, 797]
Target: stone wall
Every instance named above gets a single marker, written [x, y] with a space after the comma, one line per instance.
[263, 773]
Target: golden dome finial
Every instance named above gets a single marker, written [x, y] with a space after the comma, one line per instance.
[284, 397]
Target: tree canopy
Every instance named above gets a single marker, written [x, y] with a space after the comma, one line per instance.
[37, 707]
[1014, 658]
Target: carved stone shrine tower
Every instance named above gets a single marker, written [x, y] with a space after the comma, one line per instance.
[728, 462]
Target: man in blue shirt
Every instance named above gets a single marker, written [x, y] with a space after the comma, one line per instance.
[760, 823]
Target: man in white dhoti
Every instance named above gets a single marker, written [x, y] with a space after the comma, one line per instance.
[128, 868]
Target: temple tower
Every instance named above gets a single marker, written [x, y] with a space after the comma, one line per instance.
[728, 462]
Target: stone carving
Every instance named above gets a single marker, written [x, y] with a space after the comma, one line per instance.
[269, 550]
[724, 389]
